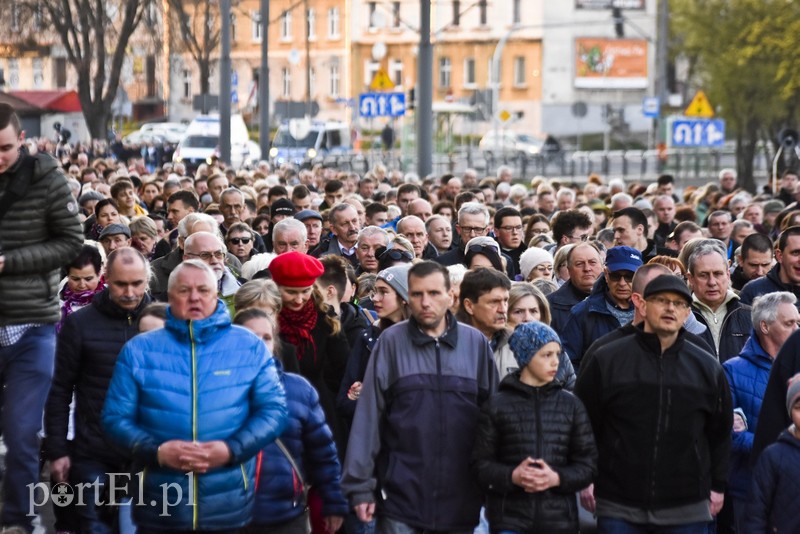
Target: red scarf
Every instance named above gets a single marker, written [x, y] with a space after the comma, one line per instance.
[296, 326]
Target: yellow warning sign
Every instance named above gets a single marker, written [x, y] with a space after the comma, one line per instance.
[699, 106]
[504, 115]
[381, 82]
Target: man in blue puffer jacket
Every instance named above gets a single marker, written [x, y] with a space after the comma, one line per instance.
[194, 402]
[774, 317]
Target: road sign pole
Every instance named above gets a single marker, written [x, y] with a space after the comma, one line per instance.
[263, 83]
[225, 83]
[424, 111]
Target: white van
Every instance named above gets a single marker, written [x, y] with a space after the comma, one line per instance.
[201, 142]
[317, 139]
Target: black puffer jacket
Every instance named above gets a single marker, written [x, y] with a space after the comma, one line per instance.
[545, 422]
[86, 354]
[736, 327]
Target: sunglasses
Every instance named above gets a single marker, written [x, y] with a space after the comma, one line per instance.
[483, 249]
[240, 240]
[394, 254]
[619, 275]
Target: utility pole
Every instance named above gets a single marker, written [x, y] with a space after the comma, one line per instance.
[424, 112]
[662, 59]
[308, 60]
[225, 83]
[263, 83]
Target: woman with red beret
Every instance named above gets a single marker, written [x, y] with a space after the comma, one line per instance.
[307, 322]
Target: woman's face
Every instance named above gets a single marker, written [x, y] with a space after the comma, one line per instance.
[262, 228]
[525, 310]
[150, 192]
[108, 215]
[83, 279]
[563, 272]
[543, 270]
[479, 260]
[386, 302]
[294, 298]
[263, 328]
[144, 243]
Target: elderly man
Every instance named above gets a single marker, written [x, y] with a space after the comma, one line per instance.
[440, 233]
[664, 207]
[775, 318]
[370, 239]
[288, 235]
[585, 266]
[233, 208]
[661, 410]
[608, 307]
[420, 208]
[727, 181]
[313, 223]
[192, 412]
[115, 236]
[714, 304]
[210, 249]
[413, 228]
[720, 226]
[345, 225]
[785, 275]
[87, 350]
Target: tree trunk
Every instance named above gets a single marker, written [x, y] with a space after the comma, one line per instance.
[746, 143]
[205, 75]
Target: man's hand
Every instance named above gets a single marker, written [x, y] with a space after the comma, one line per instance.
[524, 475]
[333, 523]
[587, 499]
[365, 511]
[543, 476]
[59, 469]
[715, 503]
[194, 456]
[217, 453]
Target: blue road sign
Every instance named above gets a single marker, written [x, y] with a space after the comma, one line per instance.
[382, 105]
[651, 107]
[697, 132]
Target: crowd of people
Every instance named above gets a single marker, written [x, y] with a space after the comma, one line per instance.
[289, 351]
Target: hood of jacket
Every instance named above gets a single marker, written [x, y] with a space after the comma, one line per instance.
[201, 330]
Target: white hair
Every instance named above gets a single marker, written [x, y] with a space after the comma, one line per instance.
[257, 263]
[191, 264]
[287, 225]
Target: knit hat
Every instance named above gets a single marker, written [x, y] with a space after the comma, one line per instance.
[397, 278]
[282, 207]
[532, 258]
[295, 269]
[623, 259]
[792, 393]
[114, 229]
[528, 339]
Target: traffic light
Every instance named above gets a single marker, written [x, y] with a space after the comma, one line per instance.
[412, 98]
[619, 21]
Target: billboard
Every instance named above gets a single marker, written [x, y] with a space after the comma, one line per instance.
[608, 4]
[604, 63]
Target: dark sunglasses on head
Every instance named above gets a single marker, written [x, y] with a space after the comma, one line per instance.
[482, 249]
[394, 254]
[240, 240]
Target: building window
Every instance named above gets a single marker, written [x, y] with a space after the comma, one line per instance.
[456, 13]
[38, 73]
[150, 75]
[15, 15]
[187, 84]
[516, 12]
[13, 73]
[371, 8]
[444, 72]
[233, 27]
[482, 8]
[286, 26]
[333, 23]
[286, 83]
[61, 72]
[397, 71]
[519, 71]
[312, 24]
[335, 80]
[255, 31]
[396, 15]
[370, 70]
[469, 72]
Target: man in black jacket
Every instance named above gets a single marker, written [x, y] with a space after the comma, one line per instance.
[87, 350]
[661, 411]
[585, 266]
[39, 233]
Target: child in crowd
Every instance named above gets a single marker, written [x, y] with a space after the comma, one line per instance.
[776, 479]
[153, 317]
[534, 447]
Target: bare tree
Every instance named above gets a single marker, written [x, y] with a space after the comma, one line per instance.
[197, 22]
[95, 35]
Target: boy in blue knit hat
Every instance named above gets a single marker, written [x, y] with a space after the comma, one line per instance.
[534, 447]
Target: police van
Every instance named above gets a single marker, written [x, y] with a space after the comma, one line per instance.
[300, 141]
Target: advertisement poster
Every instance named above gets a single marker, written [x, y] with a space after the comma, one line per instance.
[602, 63]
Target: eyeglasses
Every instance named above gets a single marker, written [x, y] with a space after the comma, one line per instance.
[517, 228]
[469, 230]
[544, 268]
[663, 301]
[240, 240]
[583, 238]
[206, 256]
[619, 275]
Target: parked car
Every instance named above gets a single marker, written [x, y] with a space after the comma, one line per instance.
[504, 143]
[144, 138]
[173, 132]
[319, 139]
[201, 143]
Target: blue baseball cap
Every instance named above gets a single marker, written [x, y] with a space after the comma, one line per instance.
[307, 214]
[623, 259]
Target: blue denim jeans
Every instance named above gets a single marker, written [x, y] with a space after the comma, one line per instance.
[613, 525]
[27, 370]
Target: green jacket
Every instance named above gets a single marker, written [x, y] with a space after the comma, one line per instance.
[39, 234]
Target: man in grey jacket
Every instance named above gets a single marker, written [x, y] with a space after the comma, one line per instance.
[408, 457]
[39, 233]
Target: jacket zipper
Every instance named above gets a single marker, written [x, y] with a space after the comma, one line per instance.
[658, 426]
[194, 422]
[441, 424]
